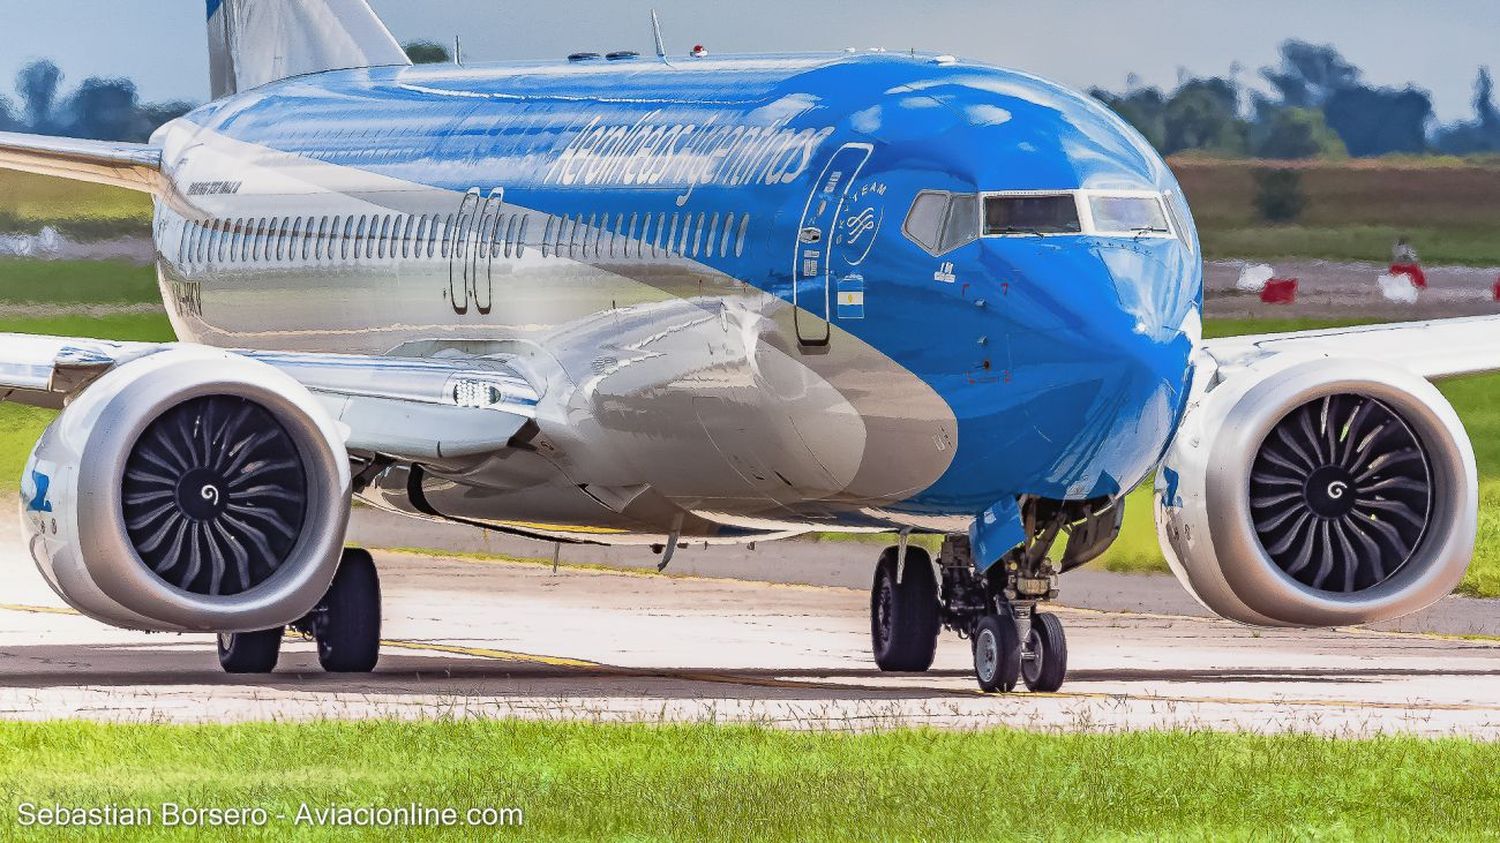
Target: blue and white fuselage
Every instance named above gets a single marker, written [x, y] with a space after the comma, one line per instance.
[758, 294]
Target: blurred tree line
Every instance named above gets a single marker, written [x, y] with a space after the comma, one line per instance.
[109, 109]
[98, 109]
[1318, 107]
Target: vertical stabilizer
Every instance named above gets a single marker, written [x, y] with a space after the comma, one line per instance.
[252, 42]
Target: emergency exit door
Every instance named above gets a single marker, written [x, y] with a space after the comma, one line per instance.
[817, 241]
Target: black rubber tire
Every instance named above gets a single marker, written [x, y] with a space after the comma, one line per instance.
[250, 652]
[904, 622]
[1046, 673]
[997, 654]
[348, 629]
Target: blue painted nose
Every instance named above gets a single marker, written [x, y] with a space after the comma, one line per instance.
[1100, 348]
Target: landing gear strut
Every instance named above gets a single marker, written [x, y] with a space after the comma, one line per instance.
[996, 610]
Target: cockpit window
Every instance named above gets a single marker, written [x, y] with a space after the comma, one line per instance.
[924, 223]
[1023, 214]
[963, 221]
[1137, 215]
[941, 222]
[1176, 210]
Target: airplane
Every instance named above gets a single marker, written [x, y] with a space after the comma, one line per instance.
[653, 300]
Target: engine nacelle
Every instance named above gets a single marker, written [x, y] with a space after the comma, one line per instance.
[1319, 492]
[190, 490]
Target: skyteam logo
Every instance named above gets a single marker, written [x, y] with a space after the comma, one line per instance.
[37, 497]
[863, 214]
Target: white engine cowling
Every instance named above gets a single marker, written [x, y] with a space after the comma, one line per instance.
[1319, 492]
[190, 490]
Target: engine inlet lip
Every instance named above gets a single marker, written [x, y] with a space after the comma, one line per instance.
[1436, 565]
[133, 397]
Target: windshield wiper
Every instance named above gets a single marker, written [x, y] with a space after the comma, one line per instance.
[1011, 229]
[1143, 230]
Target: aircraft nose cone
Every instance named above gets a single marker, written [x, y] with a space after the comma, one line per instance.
[1102, 370]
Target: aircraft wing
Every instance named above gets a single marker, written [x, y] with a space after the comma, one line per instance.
[1435, 349]
[134, 166]
[411, 408]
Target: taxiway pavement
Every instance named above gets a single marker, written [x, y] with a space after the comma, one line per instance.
[469, 637]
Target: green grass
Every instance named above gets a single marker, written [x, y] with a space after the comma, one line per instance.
[80, 210]
[1472, 246]
[29, 281]
[20, 426]
[589, 781]
[133, 327]
[1355, 210]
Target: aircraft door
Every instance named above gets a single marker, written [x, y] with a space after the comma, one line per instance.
[816, 242]
[458, 251]
[486, 241]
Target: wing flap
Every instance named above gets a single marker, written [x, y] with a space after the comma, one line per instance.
[1435, 349]
[134, 166]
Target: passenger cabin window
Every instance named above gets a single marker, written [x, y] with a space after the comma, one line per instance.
[1135, 215]
[296, 239]
[1031, 215]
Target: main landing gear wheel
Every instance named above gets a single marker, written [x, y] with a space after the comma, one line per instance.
[346, 624]
[904, 622]
[997, 654]
[250, 652]
[1044, 660]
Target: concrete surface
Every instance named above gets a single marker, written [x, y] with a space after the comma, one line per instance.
[468, 637]
[851, 564]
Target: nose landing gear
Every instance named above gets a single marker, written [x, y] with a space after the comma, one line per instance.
[997, 654]
[1012, 643]
[997, 610]
[1044, 654]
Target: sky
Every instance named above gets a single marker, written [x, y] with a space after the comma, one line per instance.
[161, 43]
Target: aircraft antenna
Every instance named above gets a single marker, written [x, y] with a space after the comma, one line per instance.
[458, 50]
[661, 46]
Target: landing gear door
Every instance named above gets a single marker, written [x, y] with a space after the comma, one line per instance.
[813, 265]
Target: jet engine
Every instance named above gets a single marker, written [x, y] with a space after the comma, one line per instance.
[189, 490]
[1318, 492]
